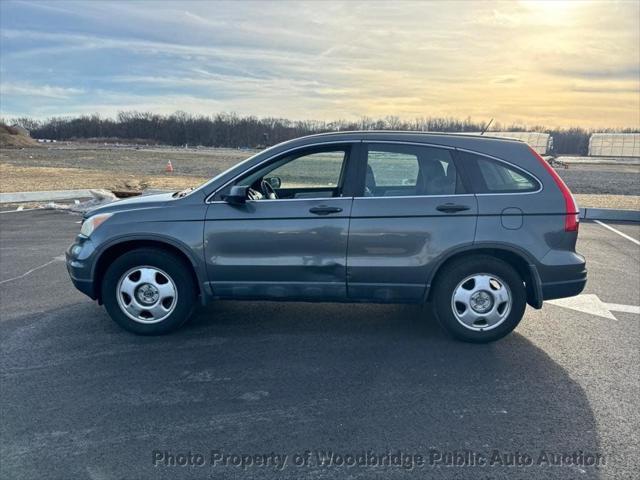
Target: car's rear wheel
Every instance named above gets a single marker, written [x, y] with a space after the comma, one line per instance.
[148, 291]
[479, 299]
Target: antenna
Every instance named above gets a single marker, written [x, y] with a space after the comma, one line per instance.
[486, 127]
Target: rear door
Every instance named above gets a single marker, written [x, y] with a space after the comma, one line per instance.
[411, 208]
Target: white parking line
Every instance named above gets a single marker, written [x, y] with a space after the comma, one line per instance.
[591, 303]
[55, 259]
[623, 308]
[624, 235]
[20, 210]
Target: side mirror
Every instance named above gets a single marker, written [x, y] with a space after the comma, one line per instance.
[237, 195]
[275, 182]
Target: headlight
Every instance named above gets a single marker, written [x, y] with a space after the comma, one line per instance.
[91, 223]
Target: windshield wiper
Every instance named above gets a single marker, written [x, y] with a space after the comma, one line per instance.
[182, 193]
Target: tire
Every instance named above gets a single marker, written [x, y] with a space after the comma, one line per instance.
[479, 299]
[149, 291]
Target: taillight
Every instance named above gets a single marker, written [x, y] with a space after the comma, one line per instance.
[572, 213]
[571, 222]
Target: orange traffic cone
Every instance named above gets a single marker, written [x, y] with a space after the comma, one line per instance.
[169, 168]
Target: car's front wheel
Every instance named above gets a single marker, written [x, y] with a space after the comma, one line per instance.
[148, 291]
[479, 299]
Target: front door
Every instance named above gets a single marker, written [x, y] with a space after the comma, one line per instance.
[289, 240]
[412, 209]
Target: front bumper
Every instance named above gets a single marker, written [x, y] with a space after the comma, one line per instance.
[79, 260]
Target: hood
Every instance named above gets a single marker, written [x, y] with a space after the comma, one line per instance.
[132, 203]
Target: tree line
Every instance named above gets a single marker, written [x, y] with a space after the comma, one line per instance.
[235, 131]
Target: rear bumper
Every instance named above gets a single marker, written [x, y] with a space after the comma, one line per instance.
[565, 277]
[567, 288]
[561, 280]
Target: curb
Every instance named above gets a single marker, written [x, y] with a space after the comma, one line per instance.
[45, 196]
[610, 214]
[575, 160]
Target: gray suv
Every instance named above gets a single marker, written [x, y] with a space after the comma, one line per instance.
[477, 226]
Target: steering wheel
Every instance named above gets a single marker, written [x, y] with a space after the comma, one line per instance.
[268, 190]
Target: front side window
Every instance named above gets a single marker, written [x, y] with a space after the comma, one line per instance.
[410, 170]
[303, 174]
[315, 170]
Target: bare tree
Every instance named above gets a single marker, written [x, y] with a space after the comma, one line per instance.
[228, 129]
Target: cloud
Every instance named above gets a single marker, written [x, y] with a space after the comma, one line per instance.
[631, 72]
[46, 91]
[326, 60]
[505, 79]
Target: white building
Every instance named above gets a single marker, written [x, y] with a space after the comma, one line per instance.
[614, 145]
[540, 142]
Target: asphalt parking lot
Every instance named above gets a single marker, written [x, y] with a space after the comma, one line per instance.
[256, 381]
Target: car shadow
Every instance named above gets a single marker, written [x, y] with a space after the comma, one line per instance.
[256, 377]
[417, 386]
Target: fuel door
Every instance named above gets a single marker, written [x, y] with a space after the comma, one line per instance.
[511, 218]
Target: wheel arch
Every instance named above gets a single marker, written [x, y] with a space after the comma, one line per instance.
[122, 246]
[514, 256]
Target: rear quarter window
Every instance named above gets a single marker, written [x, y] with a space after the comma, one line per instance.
[492, 176]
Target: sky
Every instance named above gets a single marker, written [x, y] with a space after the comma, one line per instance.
[551, 63]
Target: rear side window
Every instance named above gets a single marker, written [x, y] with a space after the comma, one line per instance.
[492, 176]
[395, 170]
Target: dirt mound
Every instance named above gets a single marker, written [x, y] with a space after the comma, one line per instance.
[13, 138]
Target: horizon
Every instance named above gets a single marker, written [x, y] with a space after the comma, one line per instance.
[527, 63]
[338, 124]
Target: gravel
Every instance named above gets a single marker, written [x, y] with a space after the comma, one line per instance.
[602, 179]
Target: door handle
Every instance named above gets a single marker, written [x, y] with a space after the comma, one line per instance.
[451, 208]
[324, 210]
